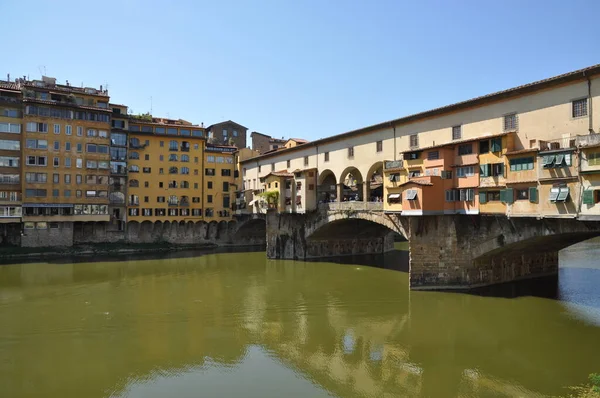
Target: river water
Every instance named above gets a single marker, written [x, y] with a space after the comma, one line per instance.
[239, 325]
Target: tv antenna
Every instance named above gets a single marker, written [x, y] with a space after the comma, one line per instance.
[42, 70]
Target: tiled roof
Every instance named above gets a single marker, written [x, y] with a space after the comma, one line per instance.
[520, 182]
[465, 164]
[4, 85]
[526, 150]
[280, 173]
[66, 89]
[418, 182]
[299, 140]
[73, 105]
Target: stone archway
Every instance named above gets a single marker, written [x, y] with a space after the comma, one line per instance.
[326, 187]
[374, 183]
[351, 181]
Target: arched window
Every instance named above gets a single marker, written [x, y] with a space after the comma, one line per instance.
[134, 183]
[134, 169]
[134, 155]
[173, 157]
[173, 145]
[185, 184]
[134, 143]
[184, 201]
[185, 158]
[173, 200]
[173, 170]
[185, 170]
[173, 184]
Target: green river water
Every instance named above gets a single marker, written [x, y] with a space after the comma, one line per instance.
[235, 324]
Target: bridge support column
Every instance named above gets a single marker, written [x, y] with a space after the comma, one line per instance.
[339, 190]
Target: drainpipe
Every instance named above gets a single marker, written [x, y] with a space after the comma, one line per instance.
[590, 108]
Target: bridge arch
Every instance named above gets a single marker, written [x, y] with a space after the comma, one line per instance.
[352, 182]
[390, 222]
[374, 182]
[326, 186]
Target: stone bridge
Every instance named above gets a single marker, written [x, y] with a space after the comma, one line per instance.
[446, 251]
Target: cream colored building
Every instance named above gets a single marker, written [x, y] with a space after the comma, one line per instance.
[555, 109]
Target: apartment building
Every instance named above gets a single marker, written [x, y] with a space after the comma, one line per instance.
[117, 195]
[219, 182]
[164, 170]
[227, 133]
[11, 161]
[264, 143]
[66, 156]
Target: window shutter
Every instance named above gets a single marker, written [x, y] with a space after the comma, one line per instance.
[588, 197]
[533, 194]
[510, 195]
[483, 170]
[501, 169]
[497, 144]
[482, 197]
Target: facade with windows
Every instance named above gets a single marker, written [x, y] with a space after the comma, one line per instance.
[66, 157]
[164, 170]
[11, 161]
[117, 190]
[227, 133]
[219, 176]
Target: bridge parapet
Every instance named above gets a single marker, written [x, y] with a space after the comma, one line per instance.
[353, 205]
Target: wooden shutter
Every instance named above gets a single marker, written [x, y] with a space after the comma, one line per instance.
[509, 195]
[533, 194]
[482, 197]
[588, 197]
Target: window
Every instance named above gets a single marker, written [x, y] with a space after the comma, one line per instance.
[134, 212]
[160, 199]
[195, 185]
[173, 170]
[491, 170]
[591, 197]
[226, 201]
[68, 130]
[456, 132]
[35, 193]
[146, 157]
[351, 152]
[185, 158]
[78, 193]
[146, 199]
[92, 164]
[147, 212]
[521, 194]
[57, 129]
[67, 193]
[579, 108]
[433, 155]
[225, 186]
[56, 145]
[173, 157]
[510, 122]
[79, 131]
[67, 146]
[161, 171]
[8, 161]
[558, 160]
[10, 128]
[209, 185]
[133, 155]
[209, 198]
[11, 113]
[465, 171]
[55, 193]
[78, 178]
[306, 160]
[452, 195]
[466, 195]
[147, 170]
[10, 145]
[36, 161]
[226, 173]
[173, 146]
[484, 146]
[492, 196]
[34, 127]
[326, 156]
[379, 146]
[185, 170]
[414, 140]
[211, 159]
[79, 147]
[496, 144]
[521, 164]
[92, 133]
[411, 194]
[593, 159]
[414, 173]
[559, 194]
[56, 178]
[35, 144]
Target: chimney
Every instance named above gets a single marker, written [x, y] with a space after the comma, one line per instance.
[101, 87]
[8, 77]
[67, 83]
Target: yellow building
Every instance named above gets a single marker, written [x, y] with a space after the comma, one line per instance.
[164, 170]
[493, 166]
[521, 195]
[66, 152]
[590, 180]
[219, 182]
[394, 175]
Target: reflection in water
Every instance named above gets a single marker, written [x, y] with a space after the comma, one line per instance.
[236, 324]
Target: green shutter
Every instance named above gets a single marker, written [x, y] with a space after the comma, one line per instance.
[533, 194]
[588, 197]
[482, 197]
[497, 144]
[509, 195]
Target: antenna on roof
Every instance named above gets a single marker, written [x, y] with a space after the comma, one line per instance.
[42, 70]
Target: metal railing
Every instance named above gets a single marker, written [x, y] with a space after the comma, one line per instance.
[353, 205]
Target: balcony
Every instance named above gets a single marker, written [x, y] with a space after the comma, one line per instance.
[11, 100]
[173, 204]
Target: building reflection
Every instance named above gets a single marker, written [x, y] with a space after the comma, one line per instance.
[96, 329]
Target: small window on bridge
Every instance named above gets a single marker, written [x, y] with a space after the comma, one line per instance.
[411, 194]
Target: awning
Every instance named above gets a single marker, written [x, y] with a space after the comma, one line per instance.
[394, 196]
[47, 205]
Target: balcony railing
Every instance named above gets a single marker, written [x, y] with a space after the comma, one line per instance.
[353, 205]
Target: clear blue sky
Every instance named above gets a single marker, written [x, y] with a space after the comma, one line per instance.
[297, 68]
